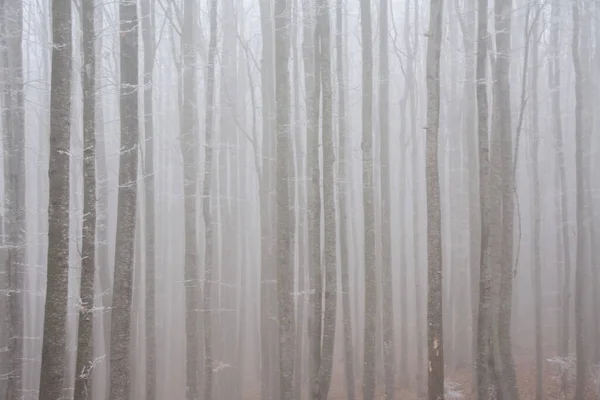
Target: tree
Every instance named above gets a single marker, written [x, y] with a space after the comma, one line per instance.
[127, 204]
[85, 357]
[343, 192]
[13, 120]
[503, 132]
[55, 310]
[389, 360]
[434, 224]
[368, 206]
[206, 195]
[148, 37]
[189, 150]
[330, 292]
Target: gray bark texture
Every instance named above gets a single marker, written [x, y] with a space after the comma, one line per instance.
[148, 37]
[55, 316]
[435, 332]
[127, 205]
[189, 150]
[13, 118]
[368, 206]
[85, 356]
[285, 267]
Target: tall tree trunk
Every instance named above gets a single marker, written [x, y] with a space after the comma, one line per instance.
[206, 196]
[389, 360]
[285, 269]
[85, 357]
[343, 193]
[581, 162]
[127, 204]
[11, 19]
[148, 36]
[502, 116]
[370, 311]
[435, 333]
[55, 310]
[189, 150]
[330, 292]
[537, 217]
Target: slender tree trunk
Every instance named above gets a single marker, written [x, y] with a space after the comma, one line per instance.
[189, 150]
[55, 316]
[370, 311]
[11, 14]
[537, 262]
[343, 192]
[206, 195]
[126, 218]
[435, 333]
[147, 8]
[85, 359]
[389, 359]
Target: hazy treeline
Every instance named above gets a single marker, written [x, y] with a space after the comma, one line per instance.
[299, 199]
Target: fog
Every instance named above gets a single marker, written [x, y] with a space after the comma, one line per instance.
[300, 199]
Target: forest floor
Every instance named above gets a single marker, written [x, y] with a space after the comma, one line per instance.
[462, 382]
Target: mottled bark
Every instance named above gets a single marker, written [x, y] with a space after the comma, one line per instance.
[120, 381]
[368, 206]
[85, 357]
[435, 332]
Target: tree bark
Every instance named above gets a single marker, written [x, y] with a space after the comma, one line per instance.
[435, 333]
[127, 204]
[55, 315]
[85, 357]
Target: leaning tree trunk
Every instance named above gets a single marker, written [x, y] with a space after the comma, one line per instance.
[127, 205]
[85, 356]
[368, 206]
[435, 332]
[55, 316]
[389, 360]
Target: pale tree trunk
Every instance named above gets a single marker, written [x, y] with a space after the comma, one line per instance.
[581, 162]
[55, 315]
[435, 332]
[343, 190]
[85, 357]
[330, 292]
[312, 73]
[370, 311]
[537, 217]
[484, 317]
[563, 246]
[206, 196]
[147, 8]
[11, 30]
[389, 360]
[127, 205]
[189, 150]
[268, 327]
